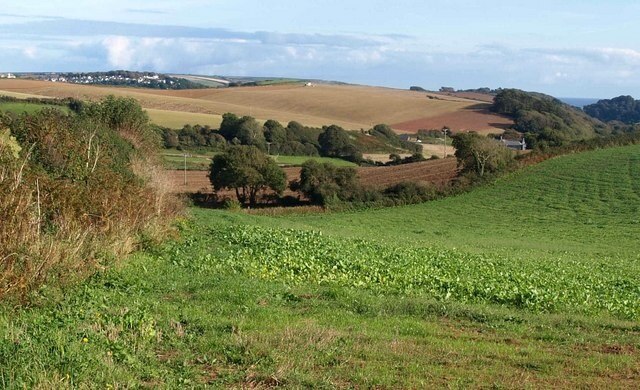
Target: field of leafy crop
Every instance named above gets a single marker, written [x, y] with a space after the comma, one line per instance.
[556, 237]
[300, 257]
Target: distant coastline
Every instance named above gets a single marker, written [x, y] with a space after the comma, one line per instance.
[579, 102]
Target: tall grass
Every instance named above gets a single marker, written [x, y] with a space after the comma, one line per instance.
[82, 191]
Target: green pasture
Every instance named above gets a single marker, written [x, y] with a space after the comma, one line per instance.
[202, 160]
[29, 108]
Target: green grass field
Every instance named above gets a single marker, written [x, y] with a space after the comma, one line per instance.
[299, 160]
[531, 282]
[29, 108]
[202, 161]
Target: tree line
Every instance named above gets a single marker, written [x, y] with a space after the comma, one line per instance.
[623, 109]
[272, 137]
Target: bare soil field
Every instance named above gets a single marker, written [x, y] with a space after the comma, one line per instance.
[437, 172]
[472, 118]
[198, 181]
[482, 97]
[352, 107]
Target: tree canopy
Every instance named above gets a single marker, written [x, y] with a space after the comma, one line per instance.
[479, 154]
[247, 171]
[622, 108]
[335, 142]
[545, 120]
[322, 182]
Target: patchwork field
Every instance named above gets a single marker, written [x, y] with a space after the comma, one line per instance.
[352, 107]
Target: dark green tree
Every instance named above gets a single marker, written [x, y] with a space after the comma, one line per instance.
[335, 142]
[248, 171]
[323, 182]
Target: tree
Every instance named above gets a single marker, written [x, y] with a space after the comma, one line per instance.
[249, 132]
[479, 154]
[322, 182]
[335, 142]
[229, 125]
[247, 171]
[274, 132]
[242, 131]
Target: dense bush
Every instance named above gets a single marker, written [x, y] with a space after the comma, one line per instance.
[76, 190]
[390, 137]
[323, 183]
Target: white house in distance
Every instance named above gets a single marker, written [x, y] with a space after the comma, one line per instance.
[7, 76]
[515, 145]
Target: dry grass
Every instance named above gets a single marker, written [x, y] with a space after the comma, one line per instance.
[177, 119]
[352, 107]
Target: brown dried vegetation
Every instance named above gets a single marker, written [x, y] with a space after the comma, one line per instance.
[77, 195]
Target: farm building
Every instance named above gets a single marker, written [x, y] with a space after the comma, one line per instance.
[410, 138]
[515, 145]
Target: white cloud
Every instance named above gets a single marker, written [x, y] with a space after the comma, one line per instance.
[120, 52]
[30, 52]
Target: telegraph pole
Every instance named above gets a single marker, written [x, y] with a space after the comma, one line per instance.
[445, 130]
[185, 168]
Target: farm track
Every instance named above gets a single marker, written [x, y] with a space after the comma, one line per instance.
[436, 172]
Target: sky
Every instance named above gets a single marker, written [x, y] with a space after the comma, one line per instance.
[569, 48]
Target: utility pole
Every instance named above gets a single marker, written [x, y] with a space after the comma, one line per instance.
[445, 130]
[185, 168]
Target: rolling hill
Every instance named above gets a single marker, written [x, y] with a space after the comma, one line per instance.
[349, 106]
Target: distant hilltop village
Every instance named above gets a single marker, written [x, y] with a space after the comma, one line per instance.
[117, 78]
[88, 78]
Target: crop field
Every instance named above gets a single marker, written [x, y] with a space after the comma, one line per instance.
[470, 118]
[352, 107]
[436, 172]
[177, 119]
[531, 282]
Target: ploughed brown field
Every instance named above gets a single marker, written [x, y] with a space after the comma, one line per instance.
[350, 106]
[436, 172]
[473, 118]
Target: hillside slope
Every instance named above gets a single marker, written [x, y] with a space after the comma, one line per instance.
[352, 107]
[585, 205]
